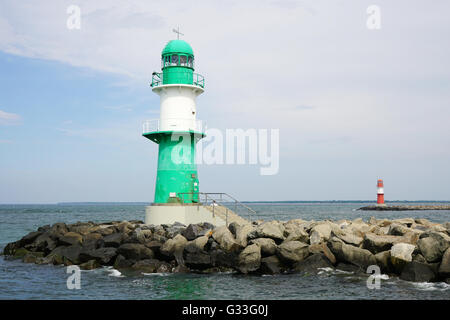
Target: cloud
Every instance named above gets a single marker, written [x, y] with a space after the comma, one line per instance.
[9, 118]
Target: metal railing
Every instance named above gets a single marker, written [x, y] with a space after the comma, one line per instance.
[224, 199]
[154, 125]
[157, 80]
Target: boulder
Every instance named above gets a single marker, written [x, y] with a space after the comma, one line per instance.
[173, 230]
[32, 257]
[242, 234]
[417, 272]
[441, 241]
[270, 229]
[401, 254]
[296, 234]
[139, 235]
[45, 243]
[323, 249]
[70, 238]
[349, 238]
[104, 256]
[267, 245]
[312, 263]
[197, 260]
[192, 232]
[57, 230]
[271, 265]
[320, 233]
[292, 251]
[135, 251]
[405, 221]
[223, 259]
[123, 263]
[113, 240]
[396, 229]
[29, 238]
[350, 254]
[72, 253]
[147, 265]
[376, 243]
[92, 236]
[172, 246]
[429, 247]
[225, 238]
[384, 261]
[249, 259]
[444, 268]
[90, 265]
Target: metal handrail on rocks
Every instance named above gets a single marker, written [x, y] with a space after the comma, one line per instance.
[214, 199]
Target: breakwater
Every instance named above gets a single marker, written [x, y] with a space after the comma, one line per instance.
[413, 249]
[404, 207]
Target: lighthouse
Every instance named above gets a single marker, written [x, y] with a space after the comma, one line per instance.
[380, 193]
[176, 133]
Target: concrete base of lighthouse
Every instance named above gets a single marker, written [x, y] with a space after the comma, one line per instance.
[169, 213]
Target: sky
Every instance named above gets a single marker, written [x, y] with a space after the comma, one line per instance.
[352, 104]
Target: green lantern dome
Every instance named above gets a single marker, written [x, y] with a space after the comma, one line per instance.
[178, 46]
[177, 64]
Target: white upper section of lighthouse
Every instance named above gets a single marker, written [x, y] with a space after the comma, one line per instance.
[178, 107]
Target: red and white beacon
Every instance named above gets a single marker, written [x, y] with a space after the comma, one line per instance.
[380, 192]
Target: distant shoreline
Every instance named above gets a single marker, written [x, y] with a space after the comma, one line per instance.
[251, 202]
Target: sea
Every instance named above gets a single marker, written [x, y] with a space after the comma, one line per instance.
[19, 280]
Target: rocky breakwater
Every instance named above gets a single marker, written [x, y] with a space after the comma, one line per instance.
[413, 249]
[404, 207]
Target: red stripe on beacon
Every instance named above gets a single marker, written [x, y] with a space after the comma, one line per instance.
[380, 192]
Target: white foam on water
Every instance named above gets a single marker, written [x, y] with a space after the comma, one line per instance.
[115, 273]
[161, 274]
[431, 286]
[380, 276]
[338, 271]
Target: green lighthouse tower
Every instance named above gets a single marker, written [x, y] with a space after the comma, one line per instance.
[177, 130]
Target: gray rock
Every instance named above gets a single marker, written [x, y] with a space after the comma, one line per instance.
[292, 251]
[135, 251]
[123, 263]
[104, 256]
[270, 229]
[225, 238]
[173, 246]
[271, 265]
[401, 254]
[147, 265]
[444, 268]
[350, 254]
[197, 260]
[376, 243]
[417, 272]
[267, 245]
[89, 265]
[429, 247]
[192, 232]
[113, 240]
[312, 263]
[249, 259]
[384, 261]
[70, 238]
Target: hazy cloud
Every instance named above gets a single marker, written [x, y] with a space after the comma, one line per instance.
[7, 118]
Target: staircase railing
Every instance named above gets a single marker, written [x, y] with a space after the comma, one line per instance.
[212, 199]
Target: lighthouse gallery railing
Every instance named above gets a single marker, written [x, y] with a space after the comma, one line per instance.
[157, 80]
